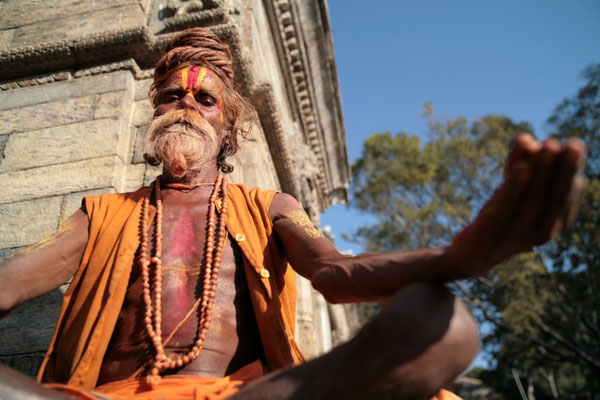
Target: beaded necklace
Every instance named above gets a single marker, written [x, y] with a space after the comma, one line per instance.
[152, 316]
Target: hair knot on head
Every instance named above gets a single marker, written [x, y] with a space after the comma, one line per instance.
[201, 47]
[197, 46]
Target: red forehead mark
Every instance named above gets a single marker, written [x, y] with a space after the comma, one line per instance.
[192, 76]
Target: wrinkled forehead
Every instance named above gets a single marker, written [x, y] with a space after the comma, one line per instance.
[194, 78]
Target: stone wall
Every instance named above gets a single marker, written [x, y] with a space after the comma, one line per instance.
[75, 76]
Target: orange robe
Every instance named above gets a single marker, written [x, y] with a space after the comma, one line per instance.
[93, 301]
[180, 387]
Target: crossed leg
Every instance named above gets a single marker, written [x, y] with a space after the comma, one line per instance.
[421, 341]
[423, 338]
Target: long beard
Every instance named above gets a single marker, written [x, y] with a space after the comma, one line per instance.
[183, 141]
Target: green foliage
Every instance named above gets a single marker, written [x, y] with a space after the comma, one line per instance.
[422, 193]
[540, 309]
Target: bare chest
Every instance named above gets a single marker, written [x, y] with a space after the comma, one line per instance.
[232, 339]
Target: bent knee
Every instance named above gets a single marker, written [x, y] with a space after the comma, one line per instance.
[462, 338]
[437, 311]
[427, 318]
[443, 329]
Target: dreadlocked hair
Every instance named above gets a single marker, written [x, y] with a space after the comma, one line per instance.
[201, 47]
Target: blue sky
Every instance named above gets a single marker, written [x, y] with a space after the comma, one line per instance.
[471, 58]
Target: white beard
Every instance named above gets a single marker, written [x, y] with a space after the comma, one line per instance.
[183, 141]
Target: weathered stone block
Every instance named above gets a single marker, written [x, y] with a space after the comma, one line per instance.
[26, 222]
[29, 327]
[253, 163]
[54, 113]
[110, 104]
[25, 363]
[146, 5]
[62, 90]
[151, 173]
[138, 145]
[129, 177]
[75, 26]
[142, 113]
[3, 140]
[71, 202]
[141, 89]
[5, 36]
[61, 144]
[18, 12]
[59, 179]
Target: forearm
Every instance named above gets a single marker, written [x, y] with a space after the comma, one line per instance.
[19, 283]
[43, 266]
[377, 276]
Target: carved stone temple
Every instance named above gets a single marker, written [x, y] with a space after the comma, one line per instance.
[74, 79]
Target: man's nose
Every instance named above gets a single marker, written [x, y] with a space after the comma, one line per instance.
[188, 101]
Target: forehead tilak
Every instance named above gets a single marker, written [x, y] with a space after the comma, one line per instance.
[193, 77]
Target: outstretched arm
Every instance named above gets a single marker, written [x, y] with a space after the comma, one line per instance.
[45, 265]
[537, 200]
[345, 279]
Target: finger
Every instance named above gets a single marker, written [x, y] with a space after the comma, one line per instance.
[500, 209]
[524, 148]
[563, 193]
[576, 153]
[536, 195]
[487, 234]
[572, 208]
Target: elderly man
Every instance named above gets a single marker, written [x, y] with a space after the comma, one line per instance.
[183, 289]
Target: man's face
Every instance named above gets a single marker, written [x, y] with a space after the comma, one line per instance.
[188, 127]
[196, 88]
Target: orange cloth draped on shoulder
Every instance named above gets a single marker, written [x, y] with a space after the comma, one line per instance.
[180, 387]
[92, 303]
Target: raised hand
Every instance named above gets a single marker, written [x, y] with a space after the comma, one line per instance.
[537, 200]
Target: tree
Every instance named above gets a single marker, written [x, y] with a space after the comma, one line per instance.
[539, 309]
[422, 193]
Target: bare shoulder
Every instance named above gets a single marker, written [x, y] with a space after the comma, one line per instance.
[282, 205]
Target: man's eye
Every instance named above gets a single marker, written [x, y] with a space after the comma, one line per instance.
[206, 100]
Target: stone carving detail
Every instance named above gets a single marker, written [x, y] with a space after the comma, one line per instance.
[298, 72]
[86, 51]
[178, 7]
[129, 65]
[174, 8]
[263, 99]
[307, 165]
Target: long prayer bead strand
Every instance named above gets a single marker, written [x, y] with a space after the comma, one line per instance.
[212, 265]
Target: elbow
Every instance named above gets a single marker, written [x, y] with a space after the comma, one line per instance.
[334, 283]
[322, 281]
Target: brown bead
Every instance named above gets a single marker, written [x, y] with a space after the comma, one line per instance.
[214, 245]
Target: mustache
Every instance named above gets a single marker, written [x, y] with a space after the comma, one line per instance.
[188, 118]
[184, 122]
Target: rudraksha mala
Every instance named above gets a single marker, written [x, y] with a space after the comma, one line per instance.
[152, 317]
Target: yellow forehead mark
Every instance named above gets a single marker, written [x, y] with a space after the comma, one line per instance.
[200, 79]
[184, 77]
